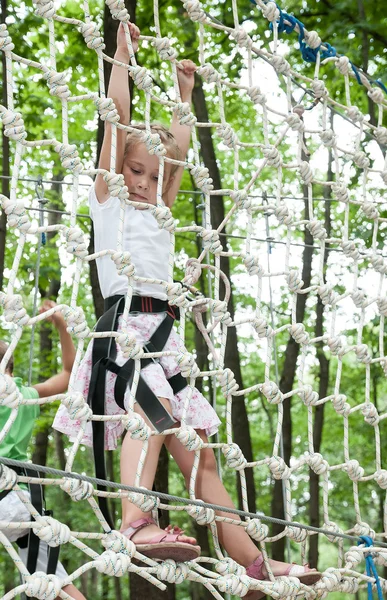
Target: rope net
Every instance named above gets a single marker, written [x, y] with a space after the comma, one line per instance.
[294, 133]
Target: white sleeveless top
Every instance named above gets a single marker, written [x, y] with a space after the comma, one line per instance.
[146, 242]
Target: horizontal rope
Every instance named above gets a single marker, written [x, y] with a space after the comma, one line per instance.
[241, 513]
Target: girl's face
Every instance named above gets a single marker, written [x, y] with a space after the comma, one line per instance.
[140, 171]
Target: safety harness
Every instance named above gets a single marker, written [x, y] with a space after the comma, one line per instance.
[103, 360]
[30, 540]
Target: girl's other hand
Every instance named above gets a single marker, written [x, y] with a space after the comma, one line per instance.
[186, 78]
[121, 37]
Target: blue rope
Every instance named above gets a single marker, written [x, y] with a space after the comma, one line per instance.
[370, 567]
[310, 54]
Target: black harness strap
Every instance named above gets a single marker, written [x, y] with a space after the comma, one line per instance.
[103, 360]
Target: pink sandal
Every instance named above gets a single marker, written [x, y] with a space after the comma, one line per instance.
[163, 545]
[305, 574]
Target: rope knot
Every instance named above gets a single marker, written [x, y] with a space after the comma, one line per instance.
[8, 478]
[112, 563]
[234, 584]
[193, 271]
[51, 531]
[359, 299]
[17, 214]
[189, 438]
[13, 124]
[382, 306]
[280, 64]
[241, 199]
[257, 530]
[76, 322]
[116, 185]
[118, 543]
[202, 178]
[57, 82]
[283, 214]
[144, 502]
[69, 157]
[327, 294]
[306, 172]
[361, 160]
[256, 95]
[362, 353]
[341, 405]
[194, 10]
[328, 138]
[153, 143]
[227, 382]
[317, 229]
[234, 456]
[242, 38]
[272, 392]
[137, 427]
[201, 514]
[188, 366]
[107, 110]
[76, 243]
[331, 526]
[164, 48]
[340, 191]
[184, 114]
[176, 295]
[14, 311]
[317, 463]
[370, 210]
[44, 8]
[331, 579]
[92, 36]
[354, 470]
[353, 557]
[164, 218]
[381, 134]
[10, 396]
[271, 12]
[228, 566]
[319, 89]
[141, 78]
[262, 327]
[295, 123]
[129, 347]
[252, 265]
[294, 280]
[378, 263]
[279, 468]
[376, 95]
[123, 262]
[77, 490]
[350, 250]
[308, 396]
[173, 572]
[297, 331]
[118, 10]
[77, 406]
[381, 478]
[209, 73]
[371, 415]
[297, 534]
[6, 44]
[228, 135]
[42, 586]
[211, 241]
[272, 155]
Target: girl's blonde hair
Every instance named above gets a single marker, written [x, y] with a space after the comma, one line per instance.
[167, 138]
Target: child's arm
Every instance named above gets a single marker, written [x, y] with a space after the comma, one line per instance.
[58, 384]
[181, 133]
[119, 91]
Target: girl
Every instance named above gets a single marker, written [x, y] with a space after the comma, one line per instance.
[149, 247]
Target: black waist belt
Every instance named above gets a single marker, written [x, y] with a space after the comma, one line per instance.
[30, 540]
[103, 360]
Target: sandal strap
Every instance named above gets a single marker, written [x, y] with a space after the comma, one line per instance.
[166, 537]
[137, 525]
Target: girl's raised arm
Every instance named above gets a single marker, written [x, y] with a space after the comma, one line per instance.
[119, 92]
[181, 133]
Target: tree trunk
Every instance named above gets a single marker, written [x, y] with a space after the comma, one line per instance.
[287, 381]
[314, 479]
[5, 157]
[240, 423]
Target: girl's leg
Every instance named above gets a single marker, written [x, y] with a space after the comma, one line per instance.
[130, 455]
[209, 488]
